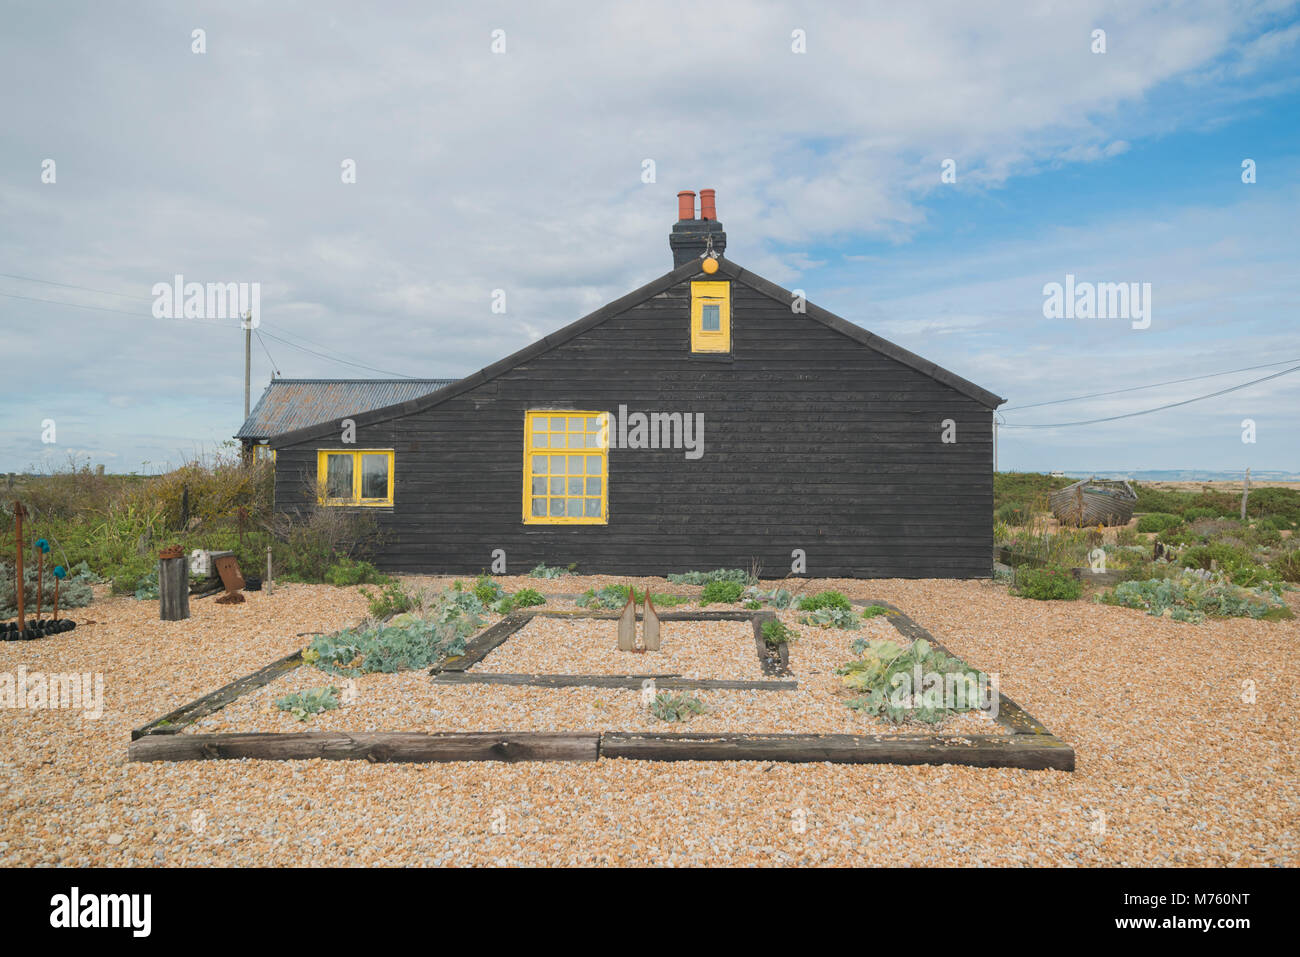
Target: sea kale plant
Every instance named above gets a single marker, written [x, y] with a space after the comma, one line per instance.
[1195, 595]
[828, 609]
[303, 704]
[676, 707]
[718, 574]
[545, 571]
[406, 643]
[916, 684]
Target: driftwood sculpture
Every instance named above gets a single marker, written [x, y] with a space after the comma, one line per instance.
[627, 624]
[650, 630]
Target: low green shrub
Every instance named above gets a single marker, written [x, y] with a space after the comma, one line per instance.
[676, 707]
[722, 591]
[1267, 534]
[1287, 566]
[348, 571]
[776, 633]
[1192, 514]
[487, 591]
[391, 599]
[303, 704]
[528, 597]
[1180, 535]
[824, 599]
[872, 611]
[1052, 583]
[1233, 561]
[609, 597]
[1157, 521]
[1012, 513]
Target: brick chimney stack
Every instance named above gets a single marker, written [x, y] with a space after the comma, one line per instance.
[689, 236]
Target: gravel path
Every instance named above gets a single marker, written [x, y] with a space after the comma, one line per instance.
[1173, 767]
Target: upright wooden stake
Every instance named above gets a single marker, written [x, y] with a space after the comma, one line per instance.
[1245, 492]
[173, 588]
[270, 582]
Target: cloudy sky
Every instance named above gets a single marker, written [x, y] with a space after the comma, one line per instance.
[522, 170]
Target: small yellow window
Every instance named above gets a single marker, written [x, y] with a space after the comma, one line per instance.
[710, 317]
[355, 478]
[566, 467]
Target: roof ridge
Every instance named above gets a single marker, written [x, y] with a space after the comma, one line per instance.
[623, 303]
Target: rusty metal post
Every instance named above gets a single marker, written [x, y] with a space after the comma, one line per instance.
[18, 539]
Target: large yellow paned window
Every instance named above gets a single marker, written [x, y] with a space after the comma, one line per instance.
[364, 477]
[566, 466]
[710, 317]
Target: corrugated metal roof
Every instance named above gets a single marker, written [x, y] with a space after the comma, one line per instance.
[289, 404]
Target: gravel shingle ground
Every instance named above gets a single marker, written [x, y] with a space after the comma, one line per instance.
[692, 649]
[1174, 768]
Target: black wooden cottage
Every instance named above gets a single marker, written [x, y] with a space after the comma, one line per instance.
[708, 419]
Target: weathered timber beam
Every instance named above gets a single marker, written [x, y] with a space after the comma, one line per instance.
[371, 746]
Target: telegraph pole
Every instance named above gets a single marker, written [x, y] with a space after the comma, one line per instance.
[248, 361]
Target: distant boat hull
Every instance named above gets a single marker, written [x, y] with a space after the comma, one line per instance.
[1093, 502]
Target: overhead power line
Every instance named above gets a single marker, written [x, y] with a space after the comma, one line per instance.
[274, 368]
[1161, 408]
[1154, 385]
[69, 285]
[138, 315]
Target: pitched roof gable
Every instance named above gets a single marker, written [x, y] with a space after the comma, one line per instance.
[622, 304]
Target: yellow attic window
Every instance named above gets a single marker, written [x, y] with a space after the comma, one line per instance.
[710, 316]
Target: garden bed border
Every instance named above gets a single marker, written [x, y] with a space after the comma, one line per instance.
[1026, 743]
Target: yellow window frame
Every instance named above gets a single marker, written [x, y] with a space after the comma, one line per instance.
[551, 435]
[355, 500]
[717, 294]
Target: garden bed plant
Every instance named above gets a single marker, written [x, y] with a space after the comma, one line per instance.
[1192, 596]
[406, 642]
[884, 679]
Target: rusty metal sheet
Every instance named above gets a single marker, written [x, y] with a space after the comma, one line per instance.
[289, 404]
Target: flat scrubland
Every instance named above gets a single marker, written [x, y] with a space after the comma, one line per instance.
[1183, 732]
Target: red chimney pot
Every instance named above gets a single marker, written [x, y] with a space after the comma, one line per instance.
[707, 209]
[686, 204]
